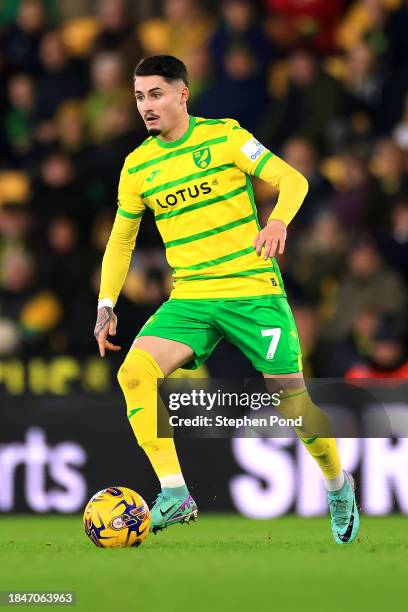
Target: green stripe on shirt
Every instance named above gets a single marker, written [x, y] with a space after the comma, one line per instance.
[183, 151]
[211, 232]
[180, 211]
[262, 163]
[215, 262]
[215, 276]
[186, 179]
[129, 215]
[210, 122]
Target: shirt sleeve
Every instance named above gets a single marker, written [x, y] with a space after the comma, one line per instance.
[253, 158]
[122, 240]
[130, 204]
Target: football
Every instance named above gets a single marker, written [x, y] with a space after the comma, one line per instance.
[117, 517]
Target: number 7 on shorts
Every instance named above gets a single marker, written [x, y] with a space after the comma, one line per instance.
[275, 333]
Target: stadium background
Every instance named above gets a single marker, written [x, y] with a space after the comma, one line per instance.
[324, 85]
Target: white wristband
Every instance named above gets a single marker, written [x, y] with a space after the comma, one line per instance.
[105, 302]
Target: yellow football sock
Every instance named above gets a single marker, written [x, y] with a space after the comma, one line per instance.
[315, 432]
[138, 379]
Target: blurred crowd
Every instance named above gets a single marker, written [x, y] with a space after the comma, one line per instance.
[324, 84]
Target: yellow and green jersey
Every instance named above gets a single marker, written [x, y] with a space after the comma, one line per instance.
[199, 190]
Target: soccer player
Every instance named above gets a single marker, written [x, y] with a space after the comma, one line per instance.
[194, 176]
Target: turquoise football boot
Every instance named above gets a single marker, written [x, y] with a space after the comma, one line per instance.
[169, 510]
[345, 519]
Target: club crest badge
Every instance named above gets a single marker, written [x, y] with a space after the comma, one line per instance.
[202, 158]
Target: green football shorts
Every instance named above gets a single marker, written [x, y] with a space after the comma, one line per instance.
[262, 328]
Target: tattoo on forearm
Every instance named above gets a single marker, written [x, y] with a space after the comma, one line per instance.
[105, 315]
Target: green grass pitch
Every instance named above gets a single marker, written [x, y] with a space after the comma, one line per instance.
[220, 563]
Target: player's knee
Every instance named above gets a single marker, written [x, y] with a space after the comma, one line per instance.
[136, 370]
[129, 375]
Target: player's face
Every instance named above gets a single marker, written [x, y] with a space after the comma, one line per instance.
[160, 103]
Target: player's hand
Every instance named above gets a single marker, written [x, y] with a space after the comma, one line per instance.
[272, 239]
[106, 323]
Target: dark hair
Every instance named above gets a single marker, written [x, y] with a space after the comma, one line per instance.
[166, 66]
